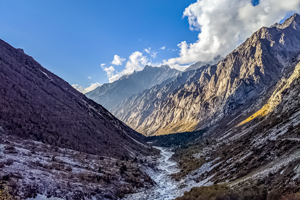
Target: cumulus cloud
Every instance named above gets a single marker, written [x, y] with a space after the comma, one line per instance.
[136, 62]
[224, 24]
[86, 90]
[118, 60]
[110, 72]
[102, 65]
[163, 47]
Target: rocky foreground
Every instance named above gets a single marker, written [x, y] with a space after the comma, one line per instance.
[31, 169]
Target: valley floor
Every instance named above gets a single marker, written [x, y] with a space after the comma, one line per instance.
[166, 188]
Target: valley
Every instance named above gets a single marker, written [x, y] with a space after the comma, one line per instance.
[225, 129]
[165, 186]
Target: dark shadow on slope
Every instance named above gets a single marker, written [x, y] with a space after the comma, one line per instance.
[176, 140]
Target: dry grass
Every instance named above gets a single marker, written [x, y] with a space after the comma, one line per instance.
[261, 113]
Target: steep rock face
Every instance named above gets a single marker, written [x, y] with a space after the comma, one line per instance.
[277, 96]
[36, 104]
[135, 109]
[111, 94]
[222, 89]
[261, 155]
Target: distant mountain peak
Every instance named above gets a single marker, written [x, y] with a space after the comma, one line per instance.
[111, 94]
[200, 64]
[155, 67]
[293, 21]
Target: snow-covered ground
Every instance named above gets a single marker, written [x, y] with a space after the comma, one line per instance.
[166, 188]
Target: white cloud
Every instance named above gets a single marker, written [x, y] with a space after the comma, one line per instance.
[118, 60]
[89, 77]
[153, 54]
[148, 50]
[102, 65]
[86, 90]
[163, 47]
[110, 71]
[224, 24]
[136, 62]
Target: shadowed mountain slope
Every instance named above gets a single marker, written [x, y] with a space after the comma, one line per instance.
[36, 104]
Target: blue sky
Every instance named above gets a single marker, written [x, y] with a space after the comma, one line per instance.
[72, 38]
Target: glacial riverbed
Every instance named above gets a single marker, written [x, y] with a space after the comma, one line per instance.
[165, 187]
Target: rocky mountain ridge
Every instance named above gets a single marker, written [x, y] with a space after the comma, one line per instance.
[111, 94]
[219, 90]
[257, 159]
[148, 100]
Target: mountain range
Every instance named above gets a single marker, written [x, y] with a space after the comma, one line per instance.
[228, 129]
[111, 94]
[214, 92]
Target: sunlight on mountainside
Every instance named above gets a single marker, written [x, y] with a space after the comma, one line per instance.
[150, 100]
[275, 98]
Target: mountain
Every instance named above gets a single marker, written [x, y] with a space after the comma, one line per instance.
[36, 104]
[252, 153]
[135, 109]
[111, 94]
[200, 63]
[255, 156]
[221, 90]
[55, 142]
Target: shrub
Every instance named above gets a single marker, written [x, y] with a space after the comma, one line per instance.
[99, 170]
[222, 192]
[123, 168]
[10, 149]
[9, 162]
[69, 168]
[4, 194]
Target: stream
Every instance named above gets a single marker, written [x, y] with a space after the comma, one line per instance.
[165, 188]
